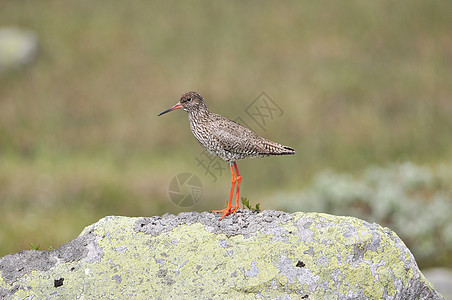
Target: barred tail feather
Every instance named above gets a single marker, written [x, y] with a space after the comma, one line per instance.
[272, 148]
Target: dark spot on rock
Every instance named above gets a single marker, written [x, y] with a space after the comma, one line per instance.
[300, 264]
[58, 282]
[305, 296]
[15, 288]
[358, 251]
[162, 273]
[117, 278]
[168, 281]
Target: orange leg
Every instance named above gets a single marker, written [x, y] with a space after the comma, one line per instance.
[239, 179]
[227, 210]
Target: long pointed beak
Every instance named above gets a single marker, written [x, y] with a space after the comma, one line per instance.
[176, 106]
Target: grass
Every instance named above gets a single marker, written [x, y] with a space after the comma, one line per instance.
[246, 204]
[360, 83]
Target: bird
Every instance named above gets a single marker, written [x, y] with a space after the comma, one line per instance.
[226, 139]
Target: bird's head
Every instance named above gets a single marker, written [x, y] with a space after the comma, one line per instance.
[189, 101]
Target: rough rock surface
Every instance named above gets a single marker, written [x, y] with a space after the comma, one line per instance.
[195, 255]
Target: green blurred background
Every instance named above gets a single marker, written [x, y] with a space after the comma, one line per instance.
[360, 83]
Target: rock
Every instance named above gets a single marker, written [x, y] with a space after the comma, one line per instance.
[195, 255]
[17, 47]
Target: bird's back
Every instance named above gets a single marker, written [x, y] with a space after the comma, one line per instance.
[231, 141]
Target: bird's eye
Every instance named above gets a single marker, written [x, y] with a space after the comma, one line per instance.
[189, 99]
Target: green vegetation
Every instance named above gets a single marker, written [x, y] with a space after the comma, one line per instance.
[34, 247]
[246, 204]
[359, 84]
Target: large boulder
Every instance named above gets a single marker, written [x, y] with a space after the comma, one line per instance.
[271, 254]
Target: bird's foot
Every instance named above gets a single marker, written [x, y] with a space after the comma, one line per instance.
[227, 211]
[234, 209]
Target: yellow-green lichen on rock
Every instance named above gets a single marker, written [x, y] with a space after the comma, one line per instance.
[250, 255]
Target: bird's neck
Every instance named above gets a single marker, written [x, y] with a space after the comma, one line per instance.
[200, 113]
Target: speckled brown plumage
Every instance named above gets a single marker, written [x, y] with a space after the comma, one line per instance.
[225, 138]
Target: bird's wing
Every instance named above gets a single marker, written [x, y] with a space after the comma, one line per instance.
[234, 137]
